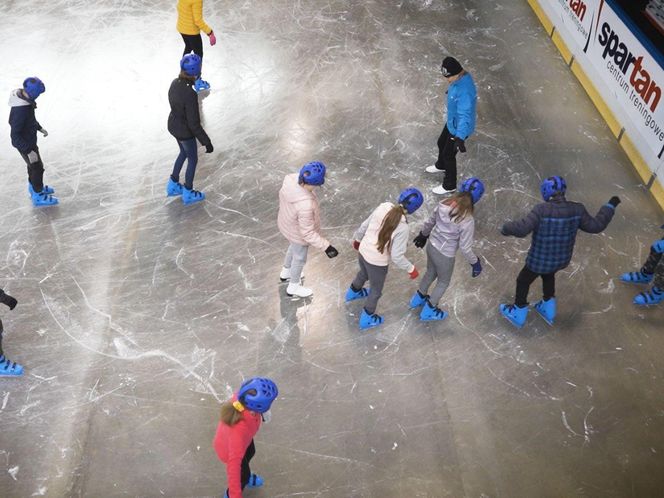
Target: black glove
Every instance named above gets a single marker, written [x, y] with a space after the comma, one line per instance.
[614, 201]
[421, 240]
[331, 252]
[209, 148]
[8, 300]
[460, 144]
[503, 231]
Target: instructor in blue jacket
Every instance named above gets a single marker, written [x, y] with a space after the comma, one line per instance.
[461, 103]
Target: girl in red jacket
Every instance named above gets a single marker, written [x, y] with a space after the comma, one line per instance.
[241, 417]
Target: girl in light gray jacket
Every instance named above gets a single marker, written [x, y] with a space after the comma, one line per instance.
[451, 227]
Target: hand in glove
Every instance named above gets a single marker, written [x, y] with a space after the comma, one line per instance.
[414, 274]
[356, 245]
[614, 201]
[8, 300]
[331, 252]
[421, 240]
[460, 144]
[213, 39]
[43, 131]
[477, 268]
[503, 231]
[209, 149]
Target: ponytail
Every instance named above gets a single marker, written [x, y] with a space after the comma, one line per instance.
[231, 411]
[389, 225]
[462, 206]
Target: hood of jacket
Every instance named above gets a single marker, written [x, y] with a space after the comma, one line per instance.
[294, 192]
[16, 100]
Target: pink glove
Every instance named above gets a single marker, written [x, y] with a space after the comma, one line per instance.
[213, 39]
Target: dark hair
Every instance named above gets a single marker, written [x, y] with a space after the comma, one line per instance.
[462, 206]
[388, 226]
[186, 76]
[231, 415]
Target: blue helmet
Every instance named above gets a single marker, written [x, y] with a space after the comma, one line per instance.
[411, 199]
[34, 87]
[312, 173]
[191, 64]
[266, 393]
[474, 187]
[552, 186]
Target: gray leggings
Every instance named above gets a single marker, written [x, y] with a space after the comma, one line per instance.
[438, 267]
[296, 257]
[376, 276]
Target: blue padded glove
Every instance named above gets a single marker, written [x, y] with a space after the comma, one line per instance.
[477, 268]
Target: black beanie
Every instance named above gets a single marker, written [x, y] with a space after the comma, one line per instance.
[450, 67]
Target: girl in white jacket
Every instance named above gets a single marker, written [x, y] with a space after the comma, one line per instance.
[381, 237]
[451, 227]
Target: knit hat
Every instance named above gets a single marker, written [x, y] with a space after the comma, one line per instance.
[450, 67]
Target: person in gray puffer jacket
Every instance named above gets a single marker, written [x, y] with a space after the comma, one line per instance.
[451, 227]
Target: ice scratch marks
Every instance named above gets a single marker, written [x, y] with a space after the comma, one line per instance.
[587, 428]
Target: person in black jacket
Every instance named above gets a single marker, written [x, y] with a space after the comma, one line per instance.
[24, 127]
[554, 224]
[8, 368]
[184, 123]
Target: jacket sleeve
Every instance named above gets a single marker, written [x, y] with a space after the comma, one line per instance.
[464, 115]
[307, 224]
[193, 117]
[466, 241]
[197, 11]
[359, 233]
[398, 249]
[522, 227]
[429, 224]
[234, 465]
[17, 122]
[599, 222]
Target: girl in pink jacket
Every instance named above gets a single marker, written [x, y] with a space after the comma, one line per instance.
[241, 418]
[299, 222]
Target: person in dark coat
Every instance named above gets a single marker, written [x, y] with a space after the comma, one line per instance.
[24, 127]
[184, 123]
[651, 271]
[554, 225]
[8, 368]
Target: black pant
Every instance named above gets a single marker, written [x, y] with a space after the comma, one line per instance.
[246, 471]
[655, 264]
[527, 277]
[193, 43]
[447, 159]
[35, 169]
[1, 330]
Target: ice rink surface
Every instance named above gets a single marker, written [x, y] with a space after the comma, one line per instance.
[138, 315]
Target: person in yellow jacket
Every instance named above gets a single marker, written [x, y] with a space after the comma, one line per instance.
[190, 24]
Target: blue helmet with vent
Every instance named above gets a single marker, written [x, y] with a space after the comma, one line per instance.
[312, 173]
[266, 392]
[191, 64]
[34, 87]
[474, 187]
[411, 199]
[552, 186]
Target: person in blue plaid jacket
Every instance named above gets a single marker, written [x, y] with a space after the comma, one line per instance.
[651, 271]
[554, 224]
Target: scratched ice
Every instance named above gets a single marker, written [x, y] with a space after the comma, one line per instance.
[137, 315]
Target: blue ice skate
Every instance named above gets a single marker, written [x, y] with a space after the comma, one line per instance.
[649, 298]
[255, 481]
[42, 199]
[431, 313]
[546, 309]
[368, 321]
[636, 277]
[514, 314]
[45, 190]
[191, 196]
[9, 368]
[417, 300]
[200, 85]
[173, 188]
[352, 295]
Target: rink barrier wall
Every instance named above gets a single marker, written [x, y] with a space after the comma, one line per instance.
[627, 144]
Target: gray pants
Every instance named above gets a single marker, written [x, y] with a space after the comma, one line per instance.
[438, 267]
[296, 257]
[376, 276]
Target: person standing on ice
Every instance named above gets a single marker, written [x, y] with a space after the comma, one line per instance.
[381, 237]
[8, 368]
[190, 24]
[299, 222]
[651, 271]
[24, 127]
[451, 227]
[461, 104]
[554, 225]
[184, 123]
[241, 419]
